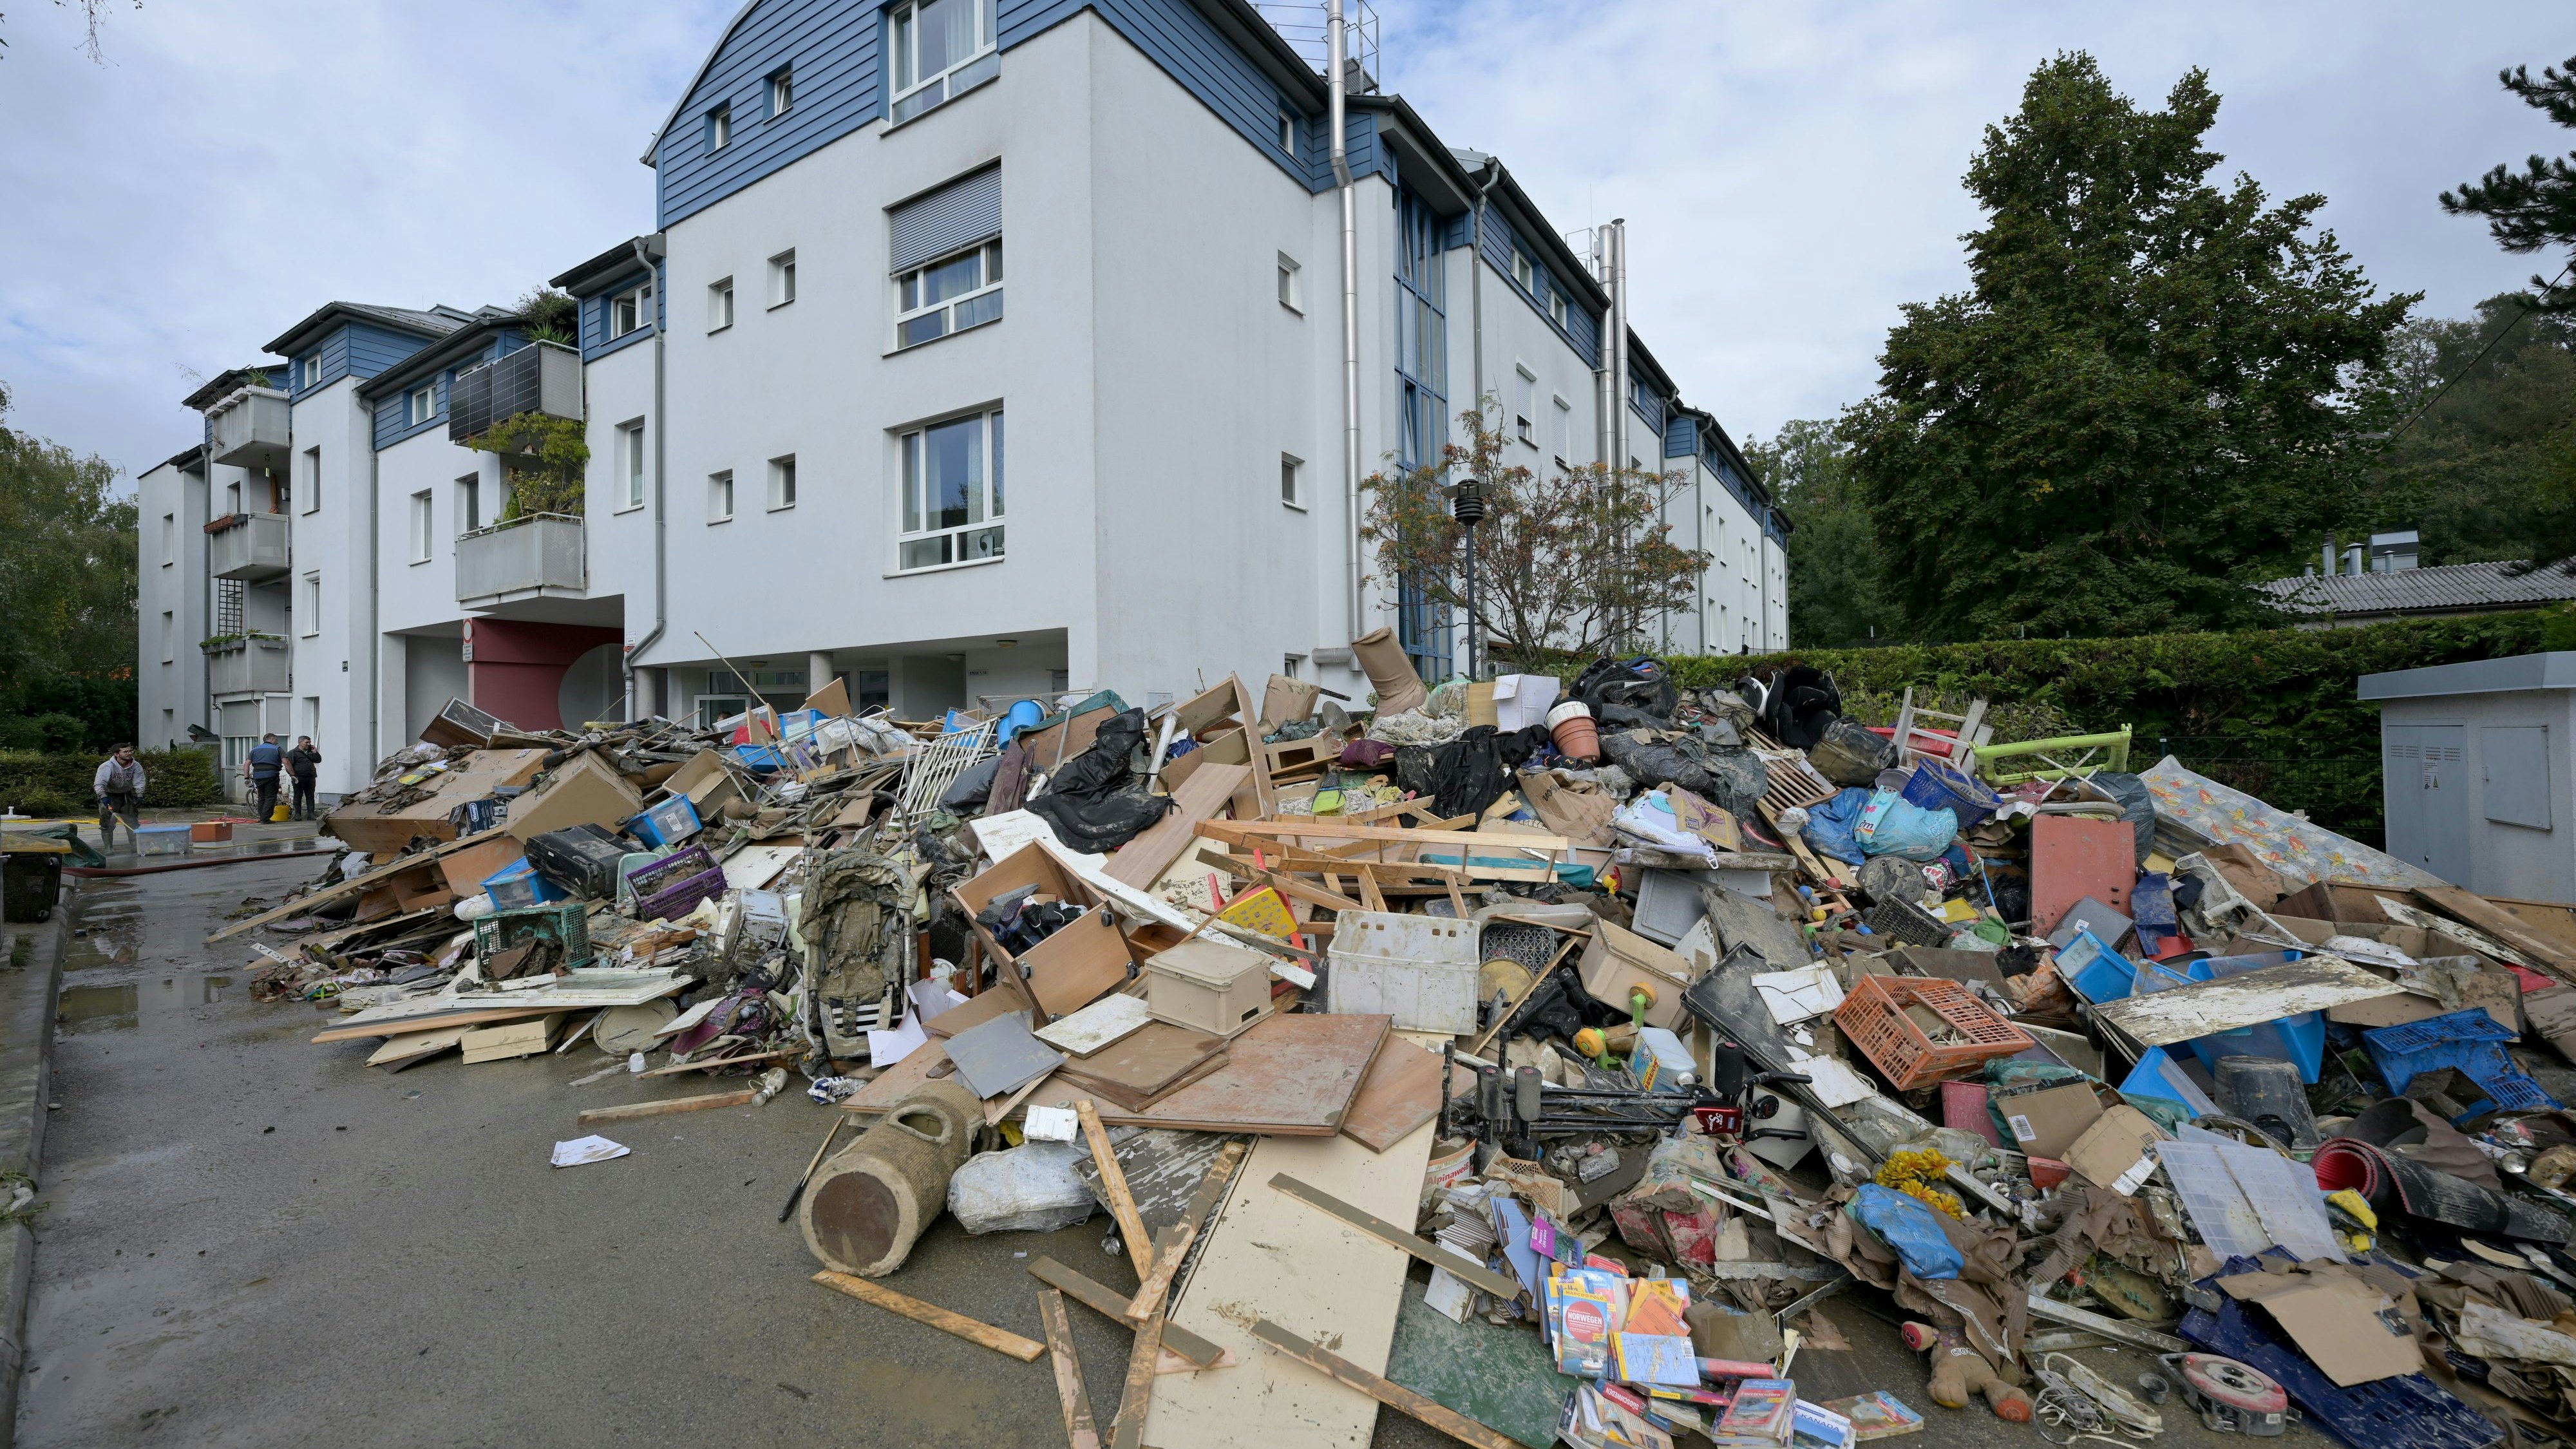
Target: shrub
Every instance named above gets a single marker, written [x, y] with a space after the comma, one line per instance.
[56, 784]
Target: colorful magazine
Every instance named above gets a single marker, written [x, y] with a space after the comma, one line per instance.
[1584, 1322]
[1876, 1415]
[1656, 1358]
[1764, 1413]
[1817, 1427]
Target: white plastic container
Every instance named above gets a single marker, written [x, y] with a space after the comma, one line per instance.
[1208, 987]
[1661, 1061]
[1421, 970]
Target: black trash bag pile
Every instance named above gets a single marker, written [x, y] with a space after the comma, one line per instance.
[1731, 779]
[1095, 802]
[1638, 684]
[1801, 704]
[1469, 773]
[1852, 754]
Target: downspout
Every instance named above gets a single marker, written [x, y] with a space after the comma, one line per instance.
[1337, 50]
[375, 561]
[1476, 276]
[1619, 446]
[648, 250]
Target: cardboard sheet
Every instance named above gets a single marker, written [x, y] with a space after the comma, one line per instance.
[2347, 1328]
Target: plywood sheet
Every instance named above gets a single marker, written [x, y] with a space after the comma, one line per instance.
[1289, 1075]
[896, 1082]
[2071, 858]
[977, 1011]
[1133, 1069]
[1400, 1093]
[2162, 1018]
[1268, 1255]
[1103, 1023]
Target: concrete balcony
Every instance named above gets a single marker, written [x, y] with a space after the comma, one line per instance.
[248, 429]
[542, 378]
[251, 665]
[247, 546]
[540, 556]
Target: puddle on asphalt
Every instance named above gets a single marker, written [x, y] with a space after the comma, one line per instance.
[160, 1003]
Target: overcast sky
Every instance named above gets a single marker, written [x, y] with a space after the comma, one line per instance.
[1789, 173]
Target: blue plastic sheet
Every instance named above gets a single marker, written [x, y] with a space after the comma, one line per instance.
[1892, 825]
[1829, 825]
[1908, 1228]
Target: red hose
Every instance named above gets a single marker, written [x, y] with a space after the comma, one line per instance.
[119, 870]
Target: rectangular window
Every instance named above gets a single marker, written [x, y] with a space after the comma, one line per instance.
[1556, 308]
[782, 279]
[782, 483]
[1287, 130]
[782, 91]
[720, 305]
[949, 295]
[720, 496]
[469, 503]
[420, 526]
[169, 539]
[1292, 286]
[312, 605]
[421, 405]
[1524, 273]
[1525, 406]
[312, 480]
[169, 636]
[630, 311]
[232, 498]
[630, 457]
[952, 492]
[1291, 481]
[313, 370]
[720, 128]
[941, 49]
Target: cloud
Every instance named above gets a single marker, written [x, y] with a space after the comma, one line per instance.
[1789, 173]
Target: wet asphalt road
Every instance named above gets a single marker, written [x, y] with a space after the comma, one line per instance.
[251, 1240]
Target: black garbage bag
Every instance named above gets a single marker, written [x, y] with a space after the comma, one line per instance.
[1472, 771]
[1852, 754]
[1802, 703]
[2137, 806]
[1627, 717]
[1414, 767]
[1663, 757]
[1638, 684]
[1103, 823]
[972, 789]
[1104, 765]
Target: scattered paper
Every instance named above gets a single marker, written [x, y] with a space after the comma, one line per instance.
[587, 1149]
[1052, 1124]
[1799, 995]
[885, 1048]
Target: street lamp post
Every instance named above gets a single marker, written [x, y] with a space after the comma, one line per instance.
[1467, 505]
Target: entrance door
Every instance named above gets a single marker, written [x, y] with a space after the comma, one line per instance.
[2425, 773]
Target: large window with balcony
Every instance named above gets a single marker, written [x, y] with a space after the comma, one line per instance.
[944, 249]
[939, 49]
[952, 492]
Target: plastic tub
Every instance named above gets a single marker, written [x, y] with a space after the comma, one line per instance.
[667, 823]
[1421, 970]
[517, 886]
[2097, 972]
[1936, 786]
[160, 840]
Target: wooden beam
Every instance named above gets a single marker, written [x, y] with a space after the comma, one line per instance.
[1100, 1299]
[723, 1062]
[356, 883]
[1485, 1038]
[1248, 831]
[1139, 1397]
[1477, 1275]
[1403, 1400]
[1149, 1297]
[998, 1340]
[665, 1107]
[1080, 1430]
[1113, 1181]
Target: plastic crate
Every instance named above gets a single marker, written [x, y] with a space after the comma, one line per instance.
[517, 886]
[678, 866]
[2097, 972]
[667, 823]
[1873, 1019]
[671, 887]
[1907, 922]
[566, 925]
[1421, 970]
[160, 839]
[1935, 786]
[2470, 1041]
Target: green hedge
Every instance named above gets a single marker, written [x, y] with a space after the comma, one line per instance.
[39, 784]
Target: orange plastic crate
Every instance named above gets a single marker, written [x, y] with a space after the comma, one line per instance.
[1873, 1018]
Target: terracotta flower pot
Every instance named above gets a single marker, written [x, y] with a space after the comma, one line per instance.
[1570, 725]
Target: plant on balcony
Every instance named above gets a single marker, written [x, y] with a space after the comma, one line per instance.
[226, 641]
[551, 316]
[545, 457]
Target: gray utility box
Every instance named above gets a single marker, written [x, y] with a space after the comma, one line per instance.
[2478, 765]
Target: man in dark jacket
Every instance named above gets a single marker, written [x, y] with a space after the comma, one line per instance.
[260, 767]
[302, 763]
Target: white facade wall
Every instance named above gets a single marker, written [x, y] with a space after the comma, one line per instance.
[333, 535]
[171, 601]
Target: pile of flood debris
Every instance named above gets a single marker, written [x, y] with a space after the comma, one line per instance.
[1537, 1057]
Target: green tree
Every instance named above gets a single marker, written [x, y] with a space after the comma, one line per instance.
[2142, 404]
[2488, 404]
[2535, 208]
[1579, 561]
[67, 573]
[1834, 599]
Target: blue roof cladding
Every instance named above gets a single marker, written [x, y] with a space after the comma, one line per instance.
[835, 49]
[392, 424]
[1681, 436]
[352, 349]
[595, 341]
[1582, 330]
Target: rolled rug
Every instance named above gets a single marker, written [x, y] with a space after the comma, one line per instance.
[2398, 1183]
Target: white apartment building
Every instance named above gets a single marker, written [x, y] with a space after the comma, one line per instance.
[981, 349]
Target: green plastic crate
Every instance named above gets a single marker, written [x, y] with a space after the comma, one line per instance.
[567, 924]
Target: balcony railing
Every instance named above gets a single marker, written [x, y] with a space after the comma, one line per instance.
[247, 546]
[543, 378]
[540, 556]
[247, 665]
[248, 429]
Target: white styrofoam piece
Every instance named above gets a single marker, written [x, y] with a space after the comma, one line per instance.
[1095, 1026]
[1799, 995]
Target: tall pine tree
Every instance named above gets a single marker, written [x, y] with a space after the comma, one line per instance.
[2145, 402]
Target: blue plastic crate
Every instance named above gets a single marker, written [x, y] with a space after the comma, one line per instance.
[665, 824]
[517, 886]
[2097, 972]
[1935, 786]
[2470, 1041]
[2159, 1075]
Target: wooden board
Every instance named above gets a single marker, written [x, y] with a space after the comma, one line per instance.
[1475, 1275]
[2496, 921]
[1098, 1025]
[2071, 858]
[568, 994]
[1266, 1257]
[2549, 919]
[1289, 1075]
[1080, 1430]
[419, 1046]
[896, 1082]
[632, 1110]
[442, 1021]
[1112, 1305]
[1400, 1093]
[1143, 1064]
[2162, 1018]
[1448, 1421]
[352, 886]
[1142, 861]
[996, 1339]
[978, 1010]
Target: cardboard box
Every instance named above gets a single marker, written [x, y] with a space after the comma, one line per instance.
[584, 790]
[2046, 1123]
[2111, 1149]
[704, 780]
[361, 826]
[1617, 958]
[2346, 1327]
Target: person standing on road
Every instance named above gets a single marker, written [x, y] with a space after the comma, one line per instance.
[119, 787]
[260, 767]
[302, 762]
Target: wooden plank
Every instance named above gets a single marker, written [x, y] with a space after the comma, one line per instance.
[996, 1339]
[1269, 1256]
[1485, 1038]
[2162, 1018]
[1113, 1181]
[1080, 1431]
[1142, 861]
[1109, 1304]
[1149, 1296]
[440, 1022]
[667, 1106]
[1138, 1400]
[1290, 1075]
[352, 886]
[1403, 1400]
[723, 1062]
[2496, 921]
[419, 1046]
[1476, 1275]
[1400, 1093]
[896, 1082]
[1098, 1025]
[1132, 1071]
[1252, 831]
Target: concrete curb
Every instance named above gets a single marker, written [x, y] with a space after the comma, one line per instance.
[28, 1000]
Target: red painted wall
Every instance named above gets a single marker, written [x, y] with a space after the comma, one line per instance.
[518, 667]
